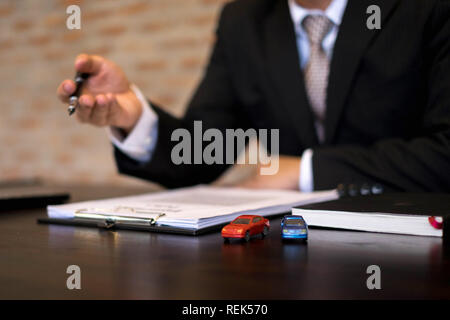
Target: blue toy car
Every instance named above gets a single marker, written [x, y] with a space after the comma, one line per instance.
[294, 227]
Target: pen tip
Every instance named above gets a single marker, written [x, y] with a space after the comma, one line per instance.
[71, 110]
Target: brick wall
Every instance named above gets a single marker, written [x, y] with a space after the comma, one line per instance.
[161, 44]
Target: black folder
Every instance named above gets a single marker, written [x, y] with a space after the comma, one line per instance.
[412, 204]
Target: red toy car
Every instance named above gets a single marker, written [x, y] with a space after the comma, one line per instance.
[245, 226]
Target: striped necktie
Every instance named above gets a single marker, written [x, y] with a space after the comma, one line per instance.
[317, 69]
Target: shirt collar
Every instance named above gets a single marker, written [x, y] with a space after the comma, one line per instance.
[334, 12]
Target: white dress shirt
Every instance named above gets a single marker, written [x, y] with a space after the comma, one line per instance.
[141, 141]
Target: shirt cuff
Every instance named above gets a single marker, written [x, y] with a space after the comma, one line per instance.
[140, 143]
[306, 181]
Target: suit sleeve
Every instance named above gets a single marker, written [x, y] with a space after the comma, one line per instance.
[419, 164]
[214, 103]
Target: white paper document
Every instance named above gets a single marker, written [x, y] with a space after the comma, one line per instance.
[196, 207]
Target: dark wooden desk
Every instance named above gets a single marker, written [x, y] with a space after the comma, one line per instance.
[138, 265]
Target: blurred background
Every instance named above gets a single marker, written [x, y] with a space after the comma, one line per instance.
[162, 45]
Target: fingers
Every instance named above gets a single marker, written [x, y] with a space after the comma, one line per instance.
[115, 111]
[83, 63]
[88, 63]
[252, 183]
[85, 107]
[97, 110]
[99, 114]
[101, 110]
[65, 89]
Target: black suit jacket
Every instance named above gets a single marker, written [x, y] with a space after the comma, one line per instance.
[388, 99]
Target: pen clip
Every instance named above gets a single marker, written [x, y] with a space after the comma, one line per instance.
[109, 218]
[106, 224]
[153, 222]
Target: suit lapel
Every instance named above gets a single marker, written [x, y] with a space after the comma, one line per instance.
[352, 40]
[282, 61]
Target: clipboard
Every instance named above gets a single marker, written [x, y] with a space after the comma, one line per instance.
[116, 223]
[108, 223]
[185, 212]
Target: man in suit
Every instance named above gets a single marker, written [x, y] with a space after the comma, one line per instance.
[353, 104]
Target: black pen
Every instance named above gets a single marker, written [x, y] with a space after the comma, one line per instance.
[73, 99]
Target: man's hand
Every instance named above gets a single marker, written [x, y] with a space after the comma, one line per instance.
[287, 177]
[106, 98]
